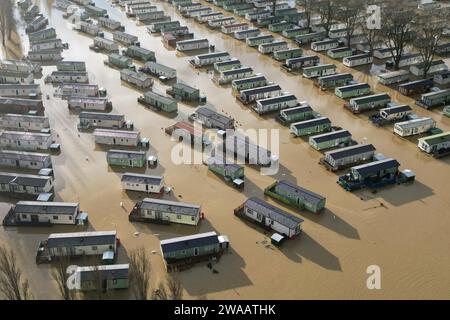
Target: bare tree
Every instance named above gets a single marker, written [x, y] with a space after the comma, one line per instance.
[429, 27]
[160, 293]
[12, 285]
[397, 27]
[351, 14]
[174, 287]
[327, 11]
[139, 273]
[61, 277]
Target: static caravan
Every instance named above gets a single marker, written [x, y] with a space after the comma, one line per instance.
[164, 211]
[37, 212]
[188, 5]
[232, 28]
[393, 77]
[109, 24]
[267, 48]
[68, 90]
[338, 33]
[416, 87]
[319, 71]
[193, 44]
[349, 156]
[279, 26]
[374, 101]
[118, 61]
[49, 33]
[299, 113]
[88, 28]
[210, 58]
[140, 53]
[152, 16]
[103, 277]
[45, 55]
[275, 103]
[68, 77]
[340, 53]
[436, 66]
[24, 122]
[176, 31]
[330, 139]
[126, 158]
[227, 65]
[162, 25]
[71, 66]
[271, 217]
[25, 140]
[137, 9]
[407, 59]
[257, 14]
[38, 23]
[228, 170]
[138, 79]
[101, 120]
[287, 54]
[310, 37]
[395, 112]
[245, 149]
[217, 23]
[258, 40]
[415, 126]
[250, 95]
[25, 160]
[25, 184]
[248, 33]
[117, 137]
[249, 83]
[294, 32]
[234, 74]
[95, 12]
[266, 21]
[301, 62]
[382, 53]
[358, 60]
[21, 106]
[125, 38]
[242, 9]
[192, 13]
[88, 103]
[324, 45]
[159, 70]
[184, 92]
[47, 44]
[105, 44]
[352, 91]
[334, 80]
[443, 49]
[442, 78]
[435, 99]
[435, 144]
[309, 127]
[159, 101]
[142, 182]
[202, 18]
[20, 90]
[16, 77]
[212, 119]
[20, 66]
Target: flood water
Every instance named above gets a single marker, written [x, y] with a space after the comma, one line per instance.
[403, 229]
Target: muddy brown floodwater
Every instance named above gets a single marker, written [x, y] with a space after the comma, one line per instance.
[408, 236]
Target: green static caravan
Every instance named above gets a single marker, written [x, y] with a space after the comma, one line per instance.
[95, 12]
[294, 17]
[184, 92]
[245, 34]
[126, 158]
[375, 101]
[284, 10]
[102, 278]
[46, 34]
[319, 71]
[234, 74]
[375, 169]
[300, 62]
[188, 5]
[435, 144]
[277, 45]
[310, 37]
[435, 99]
[140, 53]
[340, 53]
[243, 10]
[231, 6]
[279, 26]
[258, 40]
[266, 21]
[159, 101]
[293, 32]
[335, 80]
[218, 3]
[118, 61]
[324, 45]
[330, 140]
[335, 160]
[229, 171]
[227, 65]
[309, 127]
[160, 26]
[287, 54]
[249, 83]
[295, 196]
[175, 3]
[352, 91]
[295, 114]
[71, 66]
[228, 4]
[257, 14]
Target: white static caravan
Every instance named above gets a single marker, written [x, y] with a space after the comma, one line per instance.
[275, 103]
[68, 77]
[209, 16]
[257, 14]
[436, 66]
[244, 34]
[138, 9]
[110, 24]
[273, 46]
[393, 77]
[88, 28]
[125, 38]
[185, 6]
[24, 122]
[20, 90]
[210, 58]
[415, 126]
[195, 12]
[47, 44]
[142, 182]
[192, 44]
[69, 90]
[442, 78]
[25, 160]
[36, 24]
[138, 79]
[117, 137]
[358, 60]
[324, 45]
[232, 28]
[25, 140]
[88, 103]
[320, 70]
[160, 70]
[153, 15]
[395, 112]
[101, 120]
[19, 66]
[216, 23]
[382, 53]
[45, 55]
[234, 74]
[250, 95]
[28, 184]
[407, 59]
[46, 212]
[105, 44]
[16, 77]
[338, 33]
